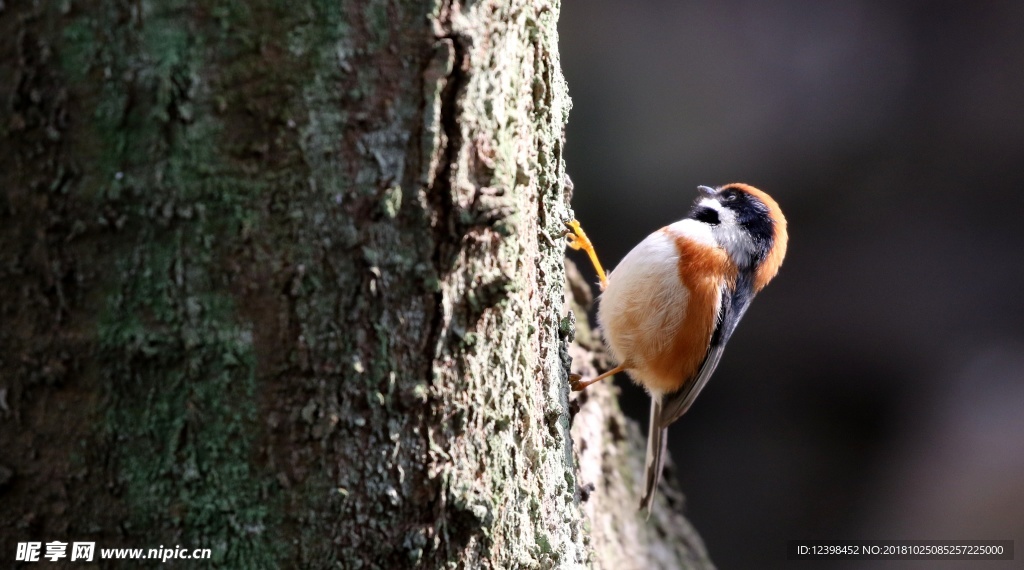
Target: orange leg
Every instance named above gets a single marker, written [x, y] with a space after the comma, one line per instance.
[577, 383]
[578, 240]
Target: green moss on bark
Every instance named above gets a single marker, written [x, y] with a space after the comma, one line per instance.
[178, 361]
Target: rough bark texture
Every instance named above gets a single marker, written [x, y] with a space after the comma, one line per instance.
[284, 280]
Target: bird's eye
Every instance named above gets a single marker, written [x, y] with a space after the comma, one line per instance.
[730, 196]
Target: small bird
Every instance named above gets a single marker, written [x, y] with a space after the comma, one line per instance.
[668, 309]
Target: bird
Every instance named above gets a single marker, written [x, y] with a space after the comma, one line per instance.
[670, 306]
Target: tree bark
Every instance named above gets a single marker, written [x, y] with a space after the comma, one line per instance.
[284, 280]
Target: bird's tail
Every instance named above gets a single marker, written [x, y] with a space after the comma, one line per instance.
[656, 443]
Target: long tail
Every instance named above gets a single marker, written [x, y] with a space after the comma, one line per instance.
[657, 441]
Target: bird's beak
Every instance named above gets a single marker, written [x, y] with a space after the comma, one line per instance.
[706, 190]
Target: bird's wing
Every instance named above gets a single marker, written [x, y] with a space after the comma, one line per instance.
[675, 404]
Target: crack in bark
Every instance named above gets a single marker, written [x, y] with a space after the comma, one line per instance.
[440, 182]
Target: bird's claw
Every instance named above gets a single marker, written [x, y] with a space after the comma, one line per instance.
[577, 239]
[576, 383]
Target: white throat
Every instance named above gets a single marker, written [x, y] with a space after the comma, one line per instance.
[729, 235]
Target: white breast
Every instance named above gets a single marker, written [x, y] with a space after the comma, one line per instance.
[645, 297]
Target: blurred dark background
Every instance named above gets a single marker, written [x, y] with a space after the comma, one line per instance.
[876, 387]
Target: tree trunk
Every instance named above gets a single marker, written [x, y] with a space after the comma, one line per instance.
[284, 280]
